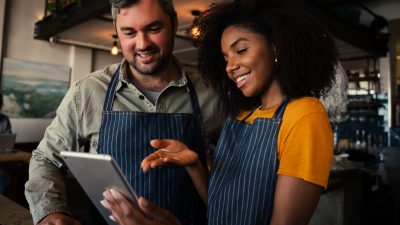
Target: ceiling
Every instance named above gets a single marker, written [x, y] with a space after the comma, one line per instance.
[96, 29]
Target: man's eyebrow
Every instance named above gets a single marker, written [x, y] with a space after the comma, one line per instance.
[152, 24]
[155, 23]
[127, 28]
[237, 42]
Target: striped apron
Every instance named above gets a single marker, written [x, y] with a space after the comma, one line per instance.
[126, 136]
[243, 176]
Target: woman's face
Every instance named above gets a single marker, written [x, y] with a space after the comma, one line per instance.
[249, 60]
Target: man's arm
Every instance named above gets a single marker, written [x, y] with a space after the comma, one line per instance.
[45, 190]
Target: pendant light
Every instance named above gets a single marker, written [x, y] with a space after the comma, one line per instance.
[114, 48]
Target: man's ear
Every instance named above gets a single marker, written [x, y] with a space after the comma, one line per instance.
[176, 24]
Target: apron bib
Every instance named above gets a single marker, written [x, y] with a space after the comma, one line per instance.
[243, 176]
[126, 136]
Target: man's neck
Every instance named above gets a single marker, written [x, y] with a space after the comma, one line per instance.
[155, 82]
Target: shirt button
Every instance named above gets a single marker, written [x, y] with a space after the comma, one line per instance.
[141, 97]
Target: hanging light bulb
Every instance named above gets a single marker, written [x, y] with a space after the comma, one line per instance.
[114, 48]
[195, 32]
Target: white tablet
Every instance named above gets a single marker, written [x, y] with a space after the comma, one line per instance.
[97, 173]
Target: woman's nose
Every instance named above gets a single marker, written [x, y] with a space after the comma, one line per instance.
[231, 66]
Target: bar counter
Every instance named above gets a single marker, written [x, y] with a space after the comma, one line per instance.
[12, 213]
[362, 192]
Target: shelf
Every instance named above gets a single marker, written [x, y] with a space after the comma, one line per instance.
[358, 79]
[364, 105]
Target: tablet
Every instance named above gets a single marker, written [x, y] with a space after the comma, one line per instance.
[97, 173]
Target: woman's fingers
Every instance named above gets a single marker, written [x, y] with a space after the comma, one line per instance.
[158, 143]
[121, 209]
[158, 214]
[154, 160]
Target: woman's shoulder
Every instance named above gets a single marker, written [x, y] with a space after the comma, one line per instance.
[304, 106]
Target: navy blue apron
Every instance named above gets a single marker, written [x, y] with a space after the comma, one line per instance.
[126, 136]
[243, 175]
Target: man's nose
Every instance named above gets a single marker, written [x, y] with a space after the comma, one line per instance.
[142, 41]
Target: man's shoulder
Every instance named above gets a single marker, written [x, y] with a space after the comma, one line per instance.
[102, 76]
[198, 82]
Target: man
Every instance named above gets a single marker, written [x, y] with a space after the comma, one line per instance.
[119, 109]
[5, 125]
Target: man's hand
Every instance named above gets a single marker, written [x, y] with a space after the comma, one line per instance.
[58, 219]
[124, 213]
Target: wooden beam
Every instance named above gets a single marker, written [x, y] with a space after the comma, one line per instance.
[356, 36]
[74, 14]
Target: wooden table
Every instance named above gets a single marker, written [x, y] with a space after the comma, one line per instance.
[15, 156]
[13, 214]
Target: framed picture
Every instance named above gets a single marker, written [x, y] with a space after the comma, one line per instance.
[32, 89]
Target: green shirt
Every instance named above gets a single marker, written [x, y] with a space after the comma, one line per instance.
[78, 120]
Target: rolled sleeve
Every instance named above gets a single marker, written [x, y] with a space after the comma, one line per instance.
[45, 190]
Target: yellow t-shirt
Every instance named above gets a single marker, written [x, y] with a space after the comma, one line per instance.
[305, 140]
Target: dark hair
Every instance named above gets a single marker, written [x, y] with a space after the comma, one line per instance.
[306, 54]
[166, 5]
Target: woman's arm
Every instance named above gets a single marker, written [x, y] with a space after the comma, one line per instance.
[199, 175]
[295, 201]
[175, 153]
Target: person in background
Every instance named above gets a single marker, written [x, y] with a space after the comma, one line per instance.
[274, 154]
[5, 125]
[119, 109]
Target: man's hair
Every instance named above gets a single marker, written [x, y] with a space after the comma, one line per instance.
[166, 5]
[306, 54]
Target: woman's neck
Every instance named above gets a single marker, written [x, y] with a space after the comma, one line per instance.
[272, 97]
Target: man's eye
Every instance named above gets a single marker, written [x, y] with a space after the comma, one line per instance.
[154, 29]
[129, 33]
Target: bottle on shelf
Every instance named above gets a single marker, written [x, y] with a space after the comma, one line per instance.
[363, 141]
[357, 144]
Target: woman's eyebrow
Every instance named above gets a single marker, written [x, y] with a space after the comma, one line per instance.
[237, 42]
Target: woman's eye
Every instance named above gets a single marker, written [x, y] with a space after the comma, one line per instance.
[241, 51]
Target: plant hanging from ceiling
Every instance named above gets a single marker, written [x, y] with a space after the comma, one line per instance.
[57, 8]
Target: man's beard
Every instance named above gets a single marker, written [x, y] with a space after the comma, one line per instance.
[154, 67]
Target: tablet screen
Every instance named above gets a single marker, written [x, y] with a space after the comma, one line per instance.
[97, 173]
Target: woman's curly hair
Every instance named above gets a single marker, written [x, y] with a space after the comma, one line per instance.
[306, 54]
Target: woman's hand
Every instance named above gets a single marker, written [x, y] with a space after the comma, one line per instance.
[169, 153]
[123, 213]
[58, 219]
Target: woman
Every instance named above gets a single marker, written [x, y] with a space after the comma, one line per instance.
[274, 155]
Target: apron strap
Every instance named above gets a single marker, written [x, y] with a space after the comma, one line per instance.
[278, 114]
[196, 110]
[193, 98]
[281, 109]
[108, 102]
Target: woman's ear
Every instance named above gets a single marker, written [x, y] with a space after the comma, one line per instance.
[275, 53]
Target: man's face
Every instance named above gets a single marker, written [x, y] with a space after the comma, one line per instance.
[146, 36]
